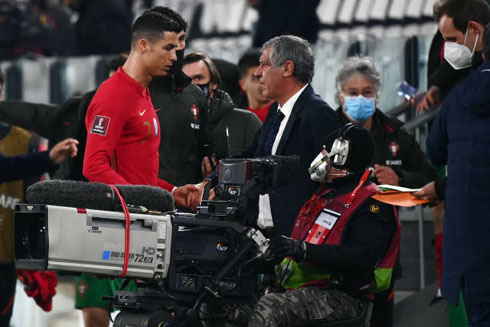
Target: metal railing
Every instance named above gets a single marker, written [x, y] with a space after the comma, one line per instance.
[414, 123]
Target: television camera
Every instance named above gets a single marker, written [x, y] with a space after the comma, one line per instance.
[178, 259]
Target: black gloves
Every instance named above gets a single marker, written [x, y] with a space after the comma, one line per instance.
[282, 246]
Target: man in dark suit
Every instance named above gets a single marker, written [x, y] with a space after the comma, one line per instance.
[296, 124]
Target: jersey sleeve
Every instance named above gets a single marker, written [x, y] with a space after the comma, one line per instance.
[165, 185]
[104, 124]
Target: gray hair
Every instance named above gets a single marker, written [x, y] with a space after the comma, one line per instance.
[293, 48]
[357, 65]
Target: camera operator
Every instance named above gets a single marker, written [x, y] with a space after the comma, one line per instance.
[343, 245]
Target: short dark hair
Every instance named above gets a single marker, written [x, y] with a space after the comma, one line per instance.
[462, 11]
[117, 61]
[486, 41]
[213, 71]
[2, 78]
[251, 58]
[166, 11]
[151, 25]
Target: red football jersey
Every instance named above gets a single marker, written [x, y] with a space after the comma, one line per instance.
[123, 135]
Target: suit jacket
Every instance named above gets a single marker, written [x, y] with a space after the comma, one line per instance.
[311, 120]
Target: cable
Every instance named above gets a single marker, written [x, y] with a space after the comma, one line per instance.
[126, 231]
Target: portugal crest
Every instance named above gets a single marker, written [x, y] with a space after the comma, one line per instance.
[394, 147]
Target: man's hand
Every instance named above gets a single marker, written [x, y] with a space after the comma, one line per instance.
[282, 246]
[386, 175]
[428, 192]
[430, 99]
[206, 167]
[202, 186]
[63, 150]
[188, 196]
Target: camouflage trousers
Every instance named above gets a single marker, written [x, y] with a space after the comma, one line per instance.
[300, 307]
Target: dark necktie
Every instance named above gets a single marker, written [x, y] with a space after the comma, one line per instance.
[271, 135]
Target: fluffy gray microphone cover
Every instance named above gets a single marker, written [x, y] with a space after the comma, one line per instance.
[97, 195]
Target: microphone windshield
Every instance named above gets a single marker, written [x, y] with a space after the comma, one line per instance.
[98, 196]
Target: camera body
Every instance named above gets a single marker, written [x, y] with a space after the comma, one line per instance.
[180, 259]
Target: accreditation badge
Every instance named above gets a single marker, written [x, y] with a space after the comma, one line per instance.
[324, 223]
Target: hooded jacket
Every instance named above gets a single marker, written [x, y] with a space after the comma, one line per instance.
[182, 112]
[242, 126]
[460, 138]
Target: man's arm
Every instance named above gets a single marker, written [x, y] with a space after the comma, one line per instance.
[437, 140]
[366, 240]
[36, 117]
[34, 164]
[101, 143]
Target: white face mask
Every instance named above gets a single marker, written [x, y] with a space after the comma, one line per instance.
[458, 55]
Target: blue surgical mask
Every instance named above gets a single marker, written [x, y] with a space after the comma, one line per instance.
[359, 108]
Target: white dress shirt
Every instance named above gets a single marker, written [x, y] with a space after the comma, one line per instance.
[265, 213]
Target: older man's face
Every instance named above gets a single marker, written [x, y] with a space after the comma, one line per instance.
[270, 77]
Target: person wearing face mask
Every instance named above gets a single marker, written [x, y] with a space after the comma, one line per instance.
[459, 138]
[341, 239]
[182, 112]
[231, 129]
[398, 159]
[456, 49]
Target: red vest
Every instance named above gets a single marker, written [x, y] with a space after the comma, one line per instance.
[345, 205]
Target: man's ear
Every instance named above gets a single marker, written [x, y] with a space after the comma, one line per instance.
[288, 69]
[241, 82]
[143, 45]
[484, 56]
[477, 27]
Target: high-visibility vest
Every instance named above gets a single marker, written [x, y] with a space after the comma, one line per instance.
[307, 274]
[15, 143]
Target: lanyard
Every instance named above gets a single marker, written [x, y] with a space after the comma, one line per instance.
[363, 180]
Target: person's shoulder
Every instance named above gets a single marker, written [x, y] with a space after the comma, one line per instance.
[315, 102]
[20, 132]
[193, 90]
[390, 125]
[243, 113]
[378, 209]
[115, 91]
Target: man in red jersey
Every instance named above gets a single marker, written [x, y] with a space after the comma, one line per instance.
[123, 135]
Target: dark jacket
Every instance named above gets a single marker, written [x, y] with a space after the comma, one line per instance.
[182, 112]
[22, 167]
[460, 138]
[55, 123]
[310, 122]
[365, 238]
[242, 126]
[399, 150]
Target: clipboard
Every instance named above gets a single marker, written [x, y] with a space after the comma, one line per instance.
[398, 196]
